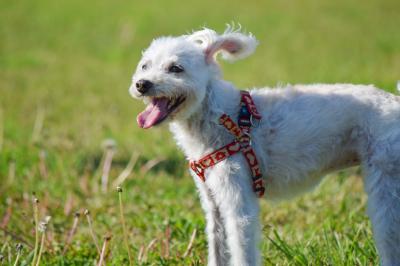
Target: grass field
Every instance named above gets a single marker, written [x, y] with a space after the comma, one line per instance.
[65, 68]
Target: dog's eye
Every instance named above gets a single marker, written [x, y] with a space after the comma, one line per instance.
[175, 69]
[144, 67]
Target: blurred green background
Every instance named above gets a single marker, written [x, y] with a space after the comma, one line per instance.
[65, 69]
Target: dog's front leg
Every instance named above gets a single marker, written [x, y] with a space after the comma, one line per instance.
[218, 254]
[239, 209]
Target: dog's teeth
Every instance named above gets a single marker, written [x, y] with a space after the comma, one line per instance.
[171, 103]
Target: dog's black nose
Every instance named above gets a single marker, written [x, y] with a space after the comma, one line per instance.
[143, 85]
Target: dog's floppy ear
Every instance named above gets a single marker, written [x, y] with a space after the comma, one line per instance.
[232, 44]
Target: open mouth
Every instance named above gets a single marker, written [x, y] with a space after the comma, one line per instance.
[158, 110]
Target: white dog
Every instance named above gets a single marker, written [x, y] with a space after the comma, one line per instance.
[305, 132]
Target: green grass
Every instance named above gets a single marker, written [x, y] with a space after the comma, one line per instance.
[68, 64]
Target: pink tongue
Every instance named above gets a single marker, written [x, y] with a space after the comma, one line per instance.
[154, 112]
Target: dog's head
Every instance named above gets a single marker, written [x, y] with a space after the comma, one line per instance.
[173, 75]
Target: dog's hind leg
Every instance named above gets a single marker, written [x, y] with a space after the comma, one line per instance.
[382, 183]
[216, 236]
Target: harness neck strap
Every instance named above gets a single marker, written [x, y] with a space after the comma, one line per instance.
[241, 131]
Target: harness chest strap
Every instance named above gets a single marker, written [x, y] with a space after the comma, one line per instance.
[242, 142]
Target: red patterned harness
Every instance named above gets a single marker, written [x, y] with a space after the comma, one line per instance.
[242, 142]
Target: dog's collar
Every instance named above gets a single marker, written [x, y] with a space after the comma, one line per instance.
[241, 131]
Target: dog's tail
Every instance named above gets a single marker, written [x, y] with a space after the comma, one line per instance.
[398, 86]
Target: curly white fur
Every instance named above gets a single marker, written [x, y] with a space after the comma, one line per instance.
[306, 131]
